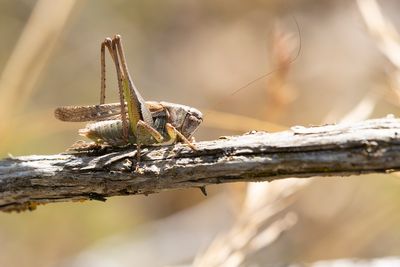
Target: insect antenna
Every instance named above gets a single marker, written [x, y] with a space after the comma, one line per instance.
[272, 71]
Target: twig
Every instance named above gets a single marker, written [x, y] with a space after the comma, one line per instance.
[330, 150]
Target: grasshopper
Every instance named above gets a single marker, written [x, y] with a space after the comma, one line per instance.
[133, 120]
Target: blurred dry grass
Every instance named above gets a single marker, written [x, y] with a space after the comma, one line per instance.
[198, 53]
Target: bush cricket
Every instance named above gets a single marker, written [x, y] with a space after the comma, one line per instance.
[133, 120]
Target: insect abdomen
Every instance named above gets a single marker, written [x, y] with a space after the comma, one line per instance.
[109, 132]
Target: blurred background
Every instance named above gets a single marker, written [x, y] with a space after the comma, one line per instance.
[331, 61]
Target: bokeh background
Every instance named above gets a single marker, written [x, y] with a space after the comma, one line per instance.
[331, 61]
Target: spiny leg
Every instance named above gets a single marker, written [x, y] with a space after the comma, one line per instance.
[136, 104]
[113, 53]
[144, 133]
[104, 44]
[173, 133]
[109, 44]
[140, 116]
[103, 73]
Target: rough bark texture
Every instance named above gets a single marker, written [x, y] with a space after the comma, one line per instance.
[344, 149]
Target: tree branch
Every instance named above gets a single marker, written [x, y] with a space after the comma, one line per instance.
[343, 149]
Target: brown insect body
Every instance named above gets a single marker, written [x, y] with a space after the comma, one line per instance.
[183, 118]
[133, 120]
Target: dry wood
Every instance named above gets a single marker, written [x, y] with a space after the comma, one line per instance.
[339, 150]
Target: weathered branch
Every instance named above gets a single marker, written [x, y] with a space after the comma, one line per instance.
[365, 147]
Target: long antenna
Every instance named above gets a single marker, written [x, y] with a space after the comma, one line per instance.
[275, 70]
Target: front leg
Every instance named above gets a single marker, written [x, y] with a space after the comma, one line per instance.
[174, 134]
[147, 135]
